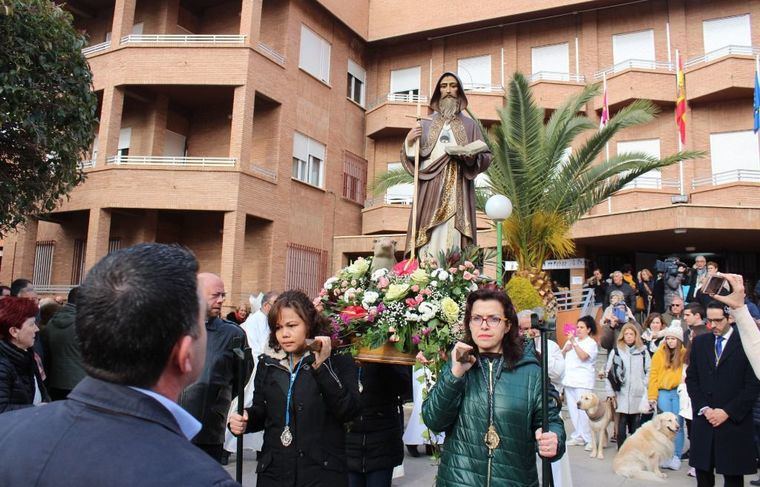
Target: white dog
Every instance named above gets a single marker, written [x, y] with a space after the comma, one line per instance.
[641, 454]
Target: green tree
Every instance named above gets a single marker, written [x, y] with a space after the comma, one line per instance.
[549, 188]
[47, 108]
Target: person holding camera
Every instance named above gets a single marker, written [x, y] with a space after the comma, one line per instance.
[675, 275]
[617, 314]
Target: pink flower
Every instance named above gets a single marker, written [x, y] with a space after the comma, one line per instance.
[452, 270]
[426, 292]
[383, 282]
[421, 358]
[410, 302]
[394, 338]
[476, 272]
[419, 298]
[415, 288]
[353, 282]
[426, 331]
[468, 264]
[467, 276]
[461, 267]
[391, 329]
[344, 284]
[404, 268]
[416, 339]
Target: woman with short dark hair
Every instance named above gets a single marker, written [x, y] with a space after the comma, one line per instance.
[580, 351]
[488, 400]
[301, 400]
[20, 379]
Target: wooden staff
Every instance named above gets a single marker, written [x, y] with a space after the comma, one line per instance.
[414, 193]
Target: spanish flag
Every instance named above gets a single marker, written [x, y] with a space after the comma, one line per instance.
[680, 100]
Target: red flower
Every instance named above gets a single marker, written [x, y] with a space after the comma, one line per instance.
[350, 313]
[405, 267]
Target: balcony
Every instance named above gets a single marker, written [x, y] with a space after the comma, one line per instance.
[636, 78]
[485, 101]
[738, 188]
[726, 177]
[721, 74]
[171, 161]
[394, 114]
[551, 90]
[184, 40]
[652, 182]
[95, 48]
[271, 53]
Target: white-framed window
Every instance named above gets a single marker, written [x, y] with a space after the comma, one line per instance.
[308, 160]
[125, 140]
[552, 62]
[399, 193]
[728, 31]
[633, 50]
[357, 80]
[475, 72]
[650, 147]
[733, 152]
[175, 145]
[406, 82]
[315, 55]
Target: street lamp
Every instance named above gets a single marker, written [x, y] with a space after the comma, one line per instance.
[498, 209]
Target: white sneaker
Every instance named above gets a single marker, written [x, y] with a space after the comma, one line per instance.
[672, 464]
[587, 447]
[692, 472]
[575, 442]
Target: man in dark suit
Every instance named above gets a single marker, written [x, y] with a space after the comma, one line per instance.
[723, 388]
[208, 400]
[140, 326]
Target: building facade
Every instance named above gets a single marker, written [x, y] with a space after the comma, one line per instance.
[248, 130]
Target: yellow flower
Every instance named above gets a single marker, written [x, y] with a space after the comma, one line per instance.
[358, 268]
[420, 277]
[450, 310]
[396, 292]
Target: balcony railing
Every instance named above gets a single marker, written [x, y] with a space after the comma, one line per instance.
[398, 98]
[269, 52]
[725, 177]
[96, 48]
[86, 164]
[556, 76]
[634, 64]
[482, 88]
[264, 172]
[722, 52]
[575, 298]
[219, 40]
[171, 161]
[652, 182]
[388, 199]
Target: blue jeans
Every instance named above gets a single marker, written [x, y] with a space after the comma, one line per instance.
[668, 402]
[377, 478]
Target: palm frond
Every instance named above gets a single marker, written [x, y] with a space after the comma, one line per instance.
[386, 180]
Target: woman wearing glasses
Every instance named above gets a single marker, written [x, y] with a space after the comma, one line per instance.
[580, 353]
[489, 402]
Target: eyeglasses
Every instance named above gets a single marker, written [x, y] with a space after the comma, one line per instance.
[490, 320]
[676, 304]
[715, 321]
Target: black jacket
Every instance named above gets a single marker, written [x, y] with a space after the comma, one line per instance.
[208, 400]
[62, 354]
[373, 441]
[628, 293]
[731, 386]
[103, 434]
[18, 371]
[323, 400]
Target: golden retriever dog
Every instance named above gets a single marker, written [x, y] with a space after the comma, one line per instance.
[641, 454]
[600, 414]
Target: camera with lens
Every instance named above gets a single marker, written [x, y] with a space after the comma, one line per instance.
[669, 266]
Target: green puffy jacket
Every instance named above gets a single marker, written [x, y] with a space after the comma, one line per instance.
[459, 406]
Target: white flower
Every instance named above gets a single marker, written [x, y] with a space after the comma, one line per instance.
[379, 273]
[329, 283]
[433, 284]
[442, 275]
[473, 287]
[370, 297]
[427, 310]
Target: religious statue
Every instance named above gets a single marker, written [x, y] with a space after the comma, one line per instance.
[451, 153]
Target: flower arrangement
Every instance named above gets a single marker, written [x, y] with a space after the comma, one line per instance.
[418, 306]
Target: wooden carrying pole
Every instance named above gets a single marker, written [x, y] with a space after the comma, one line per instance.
[413, 237]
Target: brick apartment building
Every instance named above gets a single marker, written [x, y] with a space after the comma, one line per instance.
[247, 130]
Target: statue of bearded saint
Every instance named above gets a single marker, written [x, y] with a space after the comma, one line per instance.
[446, 191]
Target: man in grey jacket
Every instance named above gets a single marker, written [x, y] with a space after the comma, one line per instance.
[62, 353]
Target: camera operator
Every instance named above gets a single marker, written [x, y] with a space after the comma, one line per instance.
[676, 273]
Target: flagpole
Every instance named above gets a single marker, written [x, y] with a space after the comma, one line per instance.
[680, 143]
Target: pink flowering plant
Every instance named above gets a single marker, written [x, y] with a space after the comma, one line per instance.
[417, 306]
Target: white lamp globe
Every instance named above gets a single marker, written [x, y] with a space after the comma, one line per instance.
[498, 207]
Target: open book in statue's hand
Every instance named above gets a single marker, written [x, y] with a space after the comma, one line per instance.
[472, 149]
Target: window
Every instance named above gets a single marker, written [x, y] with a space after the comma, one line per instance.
[732, 152]
[315, 55]
[77, 263]
[552, 62]
[475, 72]
[357, 78]
[405, 82]
[651, 147]
[354, 177]
[305, 268]
[729, 31]
[308, 160]
[399, 193]
[174, 144]
[125, 139]
[43, 263]
[633, 50]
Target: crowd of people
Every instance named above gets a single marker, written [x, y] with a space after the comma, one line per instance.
[140, 355]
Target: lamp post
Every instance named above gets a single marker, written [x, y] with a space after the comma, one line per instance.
[498, 209]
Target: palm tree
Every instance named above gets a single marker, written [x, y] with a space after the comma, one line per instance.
[549, 188]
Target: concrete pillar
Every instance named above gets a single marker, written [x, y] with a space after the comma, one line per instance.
[98, 233]
[241, 131]
[18, 253]
[250, 21]
[110, 123]
[123, 20]
[233, 252]
[149, 226]
[168, 13]
[157, 126]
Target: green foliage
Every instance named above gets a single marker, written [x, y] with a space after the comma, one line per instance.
[47, 108]
[523, 294]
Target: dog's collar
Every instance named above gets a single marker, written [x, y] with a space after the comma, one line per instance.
[598, 416]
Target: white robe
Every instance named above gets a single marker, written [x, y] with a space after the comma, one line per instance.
[415, 428]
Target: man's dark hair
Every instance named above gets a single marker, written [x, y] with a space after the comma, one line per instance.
[718, 305]
[696, 309]
[73, 293]
[19, 285]
[134, 306]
